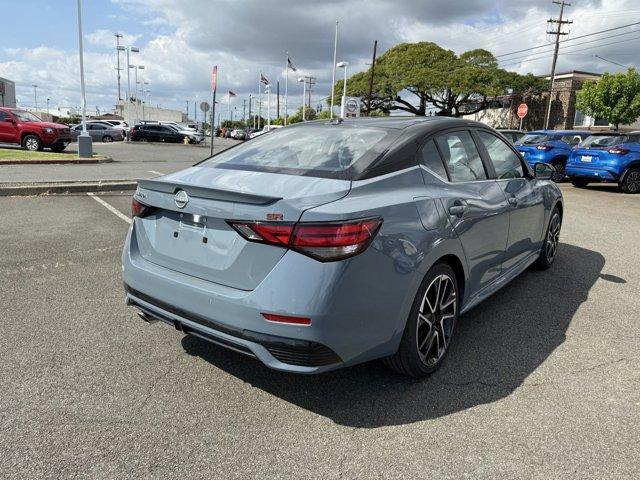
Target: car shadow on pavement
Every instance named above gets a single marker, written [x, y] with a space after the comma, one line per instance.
[497, 346]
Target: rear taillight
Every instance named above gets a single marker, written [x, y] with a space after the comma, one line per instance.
[544, 147]
[139, 209]
[618, 151]
[271, 317]
[326, 241]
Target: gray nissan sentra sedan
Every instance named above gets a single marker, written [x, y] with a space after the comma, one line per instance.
[326, 244]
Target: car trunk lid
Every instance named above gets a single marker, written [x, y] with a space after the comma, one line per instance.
[196, 240]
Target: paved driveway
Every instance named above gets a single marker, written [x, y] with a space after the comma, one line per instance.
[542, 382]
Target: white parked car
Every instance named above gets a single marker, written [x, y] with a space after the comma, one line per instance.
[265, 129]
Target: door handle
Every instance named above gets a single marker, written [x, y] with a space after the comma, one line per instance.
[458, 208]
[513, 201]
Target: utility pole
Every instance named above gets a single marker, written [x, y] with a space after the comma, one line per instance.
[278, 99]
[558, 24]
[373, 67]
[35, 95]
[118, 37]
[244, 110]
[311, 81]
[187, 101]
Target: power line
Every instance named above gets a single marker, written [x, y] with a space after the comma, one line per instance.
[576, 45]
[569, 39]
[611, 61]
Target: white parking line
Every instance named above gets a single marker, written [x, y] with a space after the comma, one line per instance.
[155, 172]
[111, 208]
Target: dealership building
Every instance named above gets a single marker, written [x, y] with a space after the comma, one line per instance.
[7, 93]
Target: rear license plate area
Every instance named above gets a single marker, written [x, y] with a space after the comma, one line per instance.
[586, 158]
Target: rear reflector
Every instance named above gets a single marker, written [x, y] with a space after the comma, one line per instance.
[286, 319]
[326, 241]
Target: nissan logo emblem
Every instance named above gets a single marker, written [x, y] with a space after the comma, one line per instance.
[181, 198]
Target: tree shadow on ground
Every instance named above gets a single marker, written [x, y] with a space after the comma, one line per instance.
[497, 346]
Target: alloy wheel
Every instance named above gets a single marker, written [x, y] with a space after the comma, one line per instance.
[633, 181]
[553, 238]
[559, 173]
[436, 319]
[32, 144]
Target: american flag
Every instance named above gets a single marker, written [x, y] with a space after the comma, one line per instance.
[232, 94]
[264, 79]
[290, 64]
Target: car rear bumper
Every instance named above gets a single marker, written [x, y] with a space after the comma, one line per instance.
[351, 322]
[593, 173]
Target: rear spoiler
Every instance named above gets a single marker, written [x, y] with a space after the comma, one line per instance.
[208, 193]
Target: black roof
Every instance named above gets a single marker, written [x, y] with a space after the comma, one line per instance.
[401, 122]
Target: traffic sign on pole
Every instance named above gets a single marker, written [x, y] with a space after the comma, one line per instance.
[204, 106]
[523, 109]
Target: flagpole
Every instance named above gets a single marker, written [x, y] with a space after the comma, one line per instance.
[268, 88]
[213, 105]
[286, 88]
[259, 99]
[333, 77]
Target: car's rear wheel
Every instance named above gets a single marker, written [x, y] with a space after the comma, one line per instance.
[107, 139]
[579, 182]
[429, 329]
[631, 181]
[549, 248]
[32, 143]
[559, 173]
[143, 140]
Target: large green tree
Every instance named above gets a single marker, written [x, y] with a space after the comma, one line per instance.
[412, 76]
[615, 97]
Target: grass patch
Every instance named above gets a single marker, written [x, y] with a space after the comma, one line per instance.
[16, 154]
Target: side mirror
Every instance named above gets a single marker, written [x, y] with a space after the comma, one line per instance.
[543, 171]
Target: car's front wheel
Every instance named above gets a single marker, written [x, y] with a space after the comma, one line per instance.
[107, 139]
[631, 181]
[430, 326]
[32, 143]
[549, 248]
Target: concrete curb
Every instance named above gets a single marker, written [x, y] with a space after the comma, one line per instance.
[61, 161]
[52, 188]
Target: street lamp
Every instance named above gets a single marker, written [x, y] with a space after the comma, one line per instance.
[48, 105]
[304, 94]
[85, 147]
[35, 95]
[344, 88]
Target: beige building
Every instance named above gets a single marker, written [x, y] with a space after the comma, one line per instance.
[564, 115]
[136, 111]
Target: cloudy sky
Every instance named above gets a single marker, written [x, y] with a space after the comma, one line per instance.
[181, 40]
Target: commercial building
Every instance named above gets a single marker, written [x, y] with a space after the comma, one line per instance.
[135, 111]
[564, 115]
[7, 93]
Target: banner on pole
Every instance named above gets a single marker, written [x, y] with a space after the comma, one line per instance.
[214, 78]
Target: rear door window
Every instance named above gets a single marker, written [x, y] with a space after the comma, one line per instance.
[505, 161]
[461, 157]
[430, 158]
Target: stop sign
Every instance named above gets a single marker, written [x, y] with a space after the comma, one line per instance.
[522, 110]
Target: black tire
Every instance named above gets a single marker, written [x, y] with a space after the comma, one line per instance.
[559, 173]
[631, 181]
[32, 143]
[421, 352]
[58, 148]
[143, 140]
[107, 139]
[549, 249]
[579, 182]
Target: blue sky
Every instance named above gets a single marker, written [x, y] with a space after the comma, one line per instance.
[181, 40]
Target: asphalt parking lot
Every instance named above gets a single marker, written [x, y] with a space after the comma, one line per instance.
[543, 380]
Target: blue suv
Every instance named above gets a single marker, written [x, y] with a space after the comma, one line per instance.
[608, 157]
[550, 146]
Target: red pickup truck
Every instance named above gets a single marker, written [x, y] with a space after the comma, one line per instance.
[24, 128]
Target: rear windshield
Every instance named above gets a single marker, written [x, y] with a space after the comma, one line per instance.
[330, 151]
[534, 138]
[593, 141]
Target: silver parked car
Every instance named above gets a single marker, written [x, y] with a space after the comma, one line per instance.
[326, 244]
[100, 132]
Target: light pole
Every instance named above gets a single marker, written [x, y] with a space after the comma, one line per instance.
[48, 105]
[304, 94]
[344, 88]
[268, 107]
[128, 49]
[118, 37]
[85, 148]
[35, 95]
